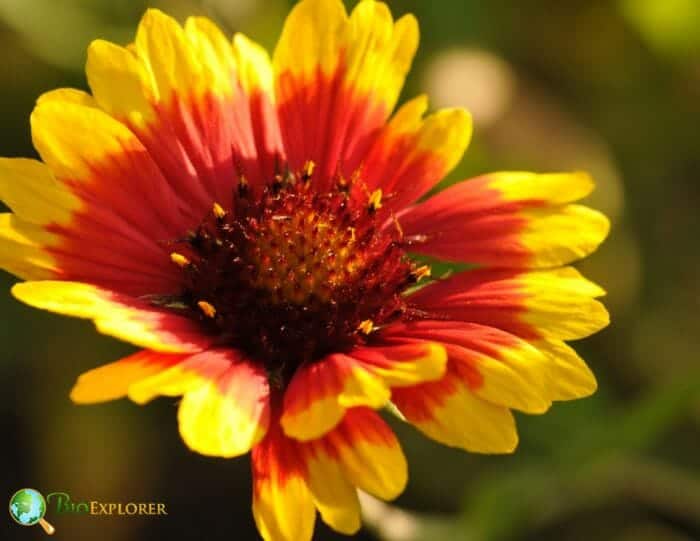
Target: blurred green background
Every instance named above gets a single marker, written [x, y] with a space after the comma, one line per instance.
[612, 87]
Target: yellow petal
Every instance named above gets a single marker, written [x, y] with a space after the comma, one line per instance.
[72, 138]
[112, 381]
[378, 51]
[515, 376]
[334, 496]
[311, 37]
[214, 53]
[283, 506]
[254, 66]
[228, 413]
[373, 52]
[568, 376]
[163, 48]
[405, 364]
[563, 234]
[370, 454]
[446, 133]
[284, 511]
[120, 82]
[553, 188]
[68, 95]
[115, 315]
[449, 412]
[561, 304]
[29, 188]
[22, 249]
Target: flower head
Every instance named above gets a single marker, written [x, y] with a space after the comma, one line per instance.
[249, 222]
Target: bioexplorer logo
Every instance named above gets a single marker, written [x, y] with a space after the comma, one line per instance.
[61, 503]
[28, 507]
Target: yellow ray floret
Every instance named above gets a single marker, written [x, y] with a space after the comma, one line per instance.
[449, 412]
[320, 393]
[562, 304]
[113, 315]
[334, 496]
[22, 249]
[374, 52]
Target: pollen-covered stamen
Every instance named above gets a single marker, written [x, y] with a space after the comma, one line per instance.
[290, 274]
[308, 171]
[207, 308]
[421, 272]
[179, 259]
[218, 211]
[367, 326]
[375, 201]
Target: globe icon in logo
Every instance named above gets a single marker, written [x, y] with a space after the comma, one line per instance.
[28, 507]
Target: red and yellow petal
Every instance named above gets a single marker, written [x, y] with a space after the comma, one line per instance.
[193, 373]
[496, 366]
[361, 452]
[508, 220]
[165, 61]
[83, 145]
[370, 455]
[402, 364]
[229, 414]
[283, 506]
[291, 478]
[334, 495]
[112, 381]
[117, 315]
[37, 200]
[554, 304]
[337, 80]
[448, 411]
[225, 406]
[104, 166]
[412, 154]
[201, 104]
[320, 393]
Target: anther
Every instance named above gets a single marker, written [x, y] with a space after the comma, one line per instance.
[179, 259]
[218, 211]
[278, 183]
[308, 170]
[243, 186]
[194, 239]
[420, 273]
[207, 308]
[375, 201]
[343, 184]
[366, 327]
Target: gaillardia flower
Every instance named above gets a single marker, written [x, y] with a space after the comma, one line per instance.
[249, 222]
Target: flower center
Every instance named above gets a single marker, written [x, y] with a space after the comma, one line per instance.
[291, 275]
